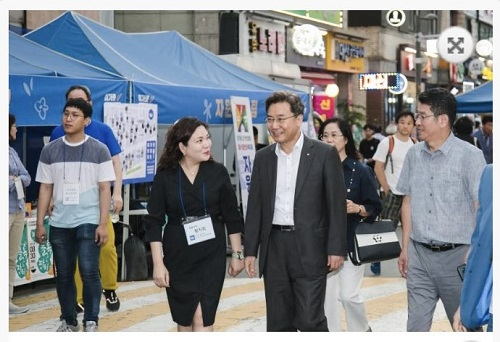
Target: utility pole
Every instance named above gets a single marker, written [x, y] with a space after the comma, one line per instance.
[418, 58]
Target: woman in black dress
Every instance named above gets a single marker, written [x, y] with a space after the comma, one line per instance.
[194, 196]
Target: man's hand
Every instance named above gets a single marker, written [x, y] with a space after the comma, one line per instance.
[250, 266]
[457, 323]
[118, 203]
[335, 262]
[403, 263]
[40, 233]
[101, 234]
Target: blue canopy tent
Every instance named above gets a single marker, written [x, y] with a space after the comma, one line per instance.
[164, 68]
[478, 100]
[39, 78]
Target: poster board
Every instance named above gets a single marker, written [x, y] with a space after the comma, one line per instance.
[135, 126]
[245, 145]
[34, 261]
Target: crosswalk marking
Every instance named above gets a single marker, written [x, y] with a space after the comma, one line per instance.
[144, 307]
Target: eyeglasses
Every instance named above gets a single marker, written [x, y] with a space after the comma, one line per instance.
[72, 116]
[422, 117]
[326, 136]
[270, 120]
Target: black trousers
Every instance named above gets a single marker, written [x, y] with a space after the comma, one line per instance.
[294, 301]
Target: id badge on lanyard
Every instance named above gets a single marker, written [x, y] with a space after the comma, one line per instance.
[198, 229]
[71, 193]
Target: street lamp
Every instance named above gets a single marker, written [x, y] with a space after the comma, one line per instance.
[419, 60]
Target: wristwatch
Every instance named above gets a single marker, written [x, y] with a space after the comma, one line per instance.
[237, 255]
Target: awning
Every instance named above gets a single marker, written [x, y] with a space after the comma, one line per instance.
[319, 78]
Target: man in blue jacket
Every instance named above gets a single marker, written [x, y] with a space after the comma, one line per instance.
[475, 303]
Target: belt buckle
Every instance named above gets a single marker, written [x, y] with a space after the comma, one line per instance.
[435, 248]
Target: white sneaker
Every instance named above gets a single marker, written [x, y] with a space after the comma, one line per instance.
[90, 326]
[65, 327]
[14, 309]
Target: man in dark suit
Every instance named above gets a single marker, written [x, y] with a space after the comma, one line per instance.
[296, 214]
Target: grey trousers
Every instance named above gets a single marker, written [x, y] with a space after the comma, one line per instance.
[432, 276]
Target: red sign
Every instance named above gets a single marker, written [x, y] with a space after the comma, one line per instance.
[324, 106]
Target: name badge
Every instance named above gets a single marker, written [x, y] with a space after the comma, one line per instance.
[198, 229]
[19, 188]
[71, 194]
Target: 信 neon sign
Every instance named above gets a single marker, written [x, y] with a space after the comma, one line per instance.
[381, 80]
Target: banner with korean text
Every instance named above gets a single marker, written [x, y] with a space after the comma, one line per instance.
[245, 145]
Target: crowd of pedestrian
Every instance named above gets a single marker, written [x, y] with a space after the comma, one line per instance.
[306, 198]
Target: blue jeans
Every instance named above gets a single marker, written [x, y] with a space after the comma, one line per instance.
[68, 244]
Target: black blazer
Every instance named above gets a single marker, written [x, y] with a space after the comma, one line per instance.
[319, 206]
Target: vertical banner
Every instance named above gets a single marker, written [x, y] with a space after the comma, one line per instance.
[135, 126]
[245, 145]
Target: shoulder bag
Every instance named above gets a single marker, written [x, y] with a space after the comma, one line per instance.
[375, 242]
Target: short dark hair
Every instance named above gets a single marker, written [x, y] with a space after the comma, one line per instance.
[486, 118]
[255, 131]
[81, 104]
[85, 89]
[463, 125]
[405, 113]
[441, 102]
[369, 126]
[296, 105]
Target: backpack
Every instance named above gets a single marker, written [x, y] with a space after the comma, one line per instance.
[391, 147]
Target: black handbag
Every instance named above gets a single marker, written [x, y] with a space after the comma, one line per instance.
[375, 242]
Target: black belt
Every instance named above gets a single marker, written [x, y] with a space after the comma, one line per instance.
[283, 228]
[441, 248]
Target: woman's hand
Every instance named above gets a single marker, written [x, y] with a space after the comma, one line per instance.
[352, 208]
[235, 267]
[161, 276]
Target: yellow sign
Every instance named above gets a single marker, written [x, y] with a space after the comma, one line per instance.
[344, 55]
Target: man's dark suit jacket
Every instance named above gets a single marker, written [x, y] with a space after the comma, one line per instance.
[319, 206]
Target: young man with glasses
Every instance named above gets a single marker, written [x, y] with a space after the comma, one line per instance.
[108, 261]
[74, 173]
[388, 165]
[296, 218]
[440, 182]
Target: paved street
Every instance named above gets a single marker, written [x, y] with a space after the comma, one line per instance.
[144, 307]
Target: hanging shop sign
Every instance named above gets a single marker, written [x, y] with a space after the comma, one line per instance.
[402, 85]
[377, 81]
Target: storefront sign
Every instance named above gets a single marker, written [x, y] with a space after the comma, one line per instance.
[324, 106]
[344, 54]
[308, 41]
[408, 64]
[294, 57]
[265, 40]
[375, 81]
